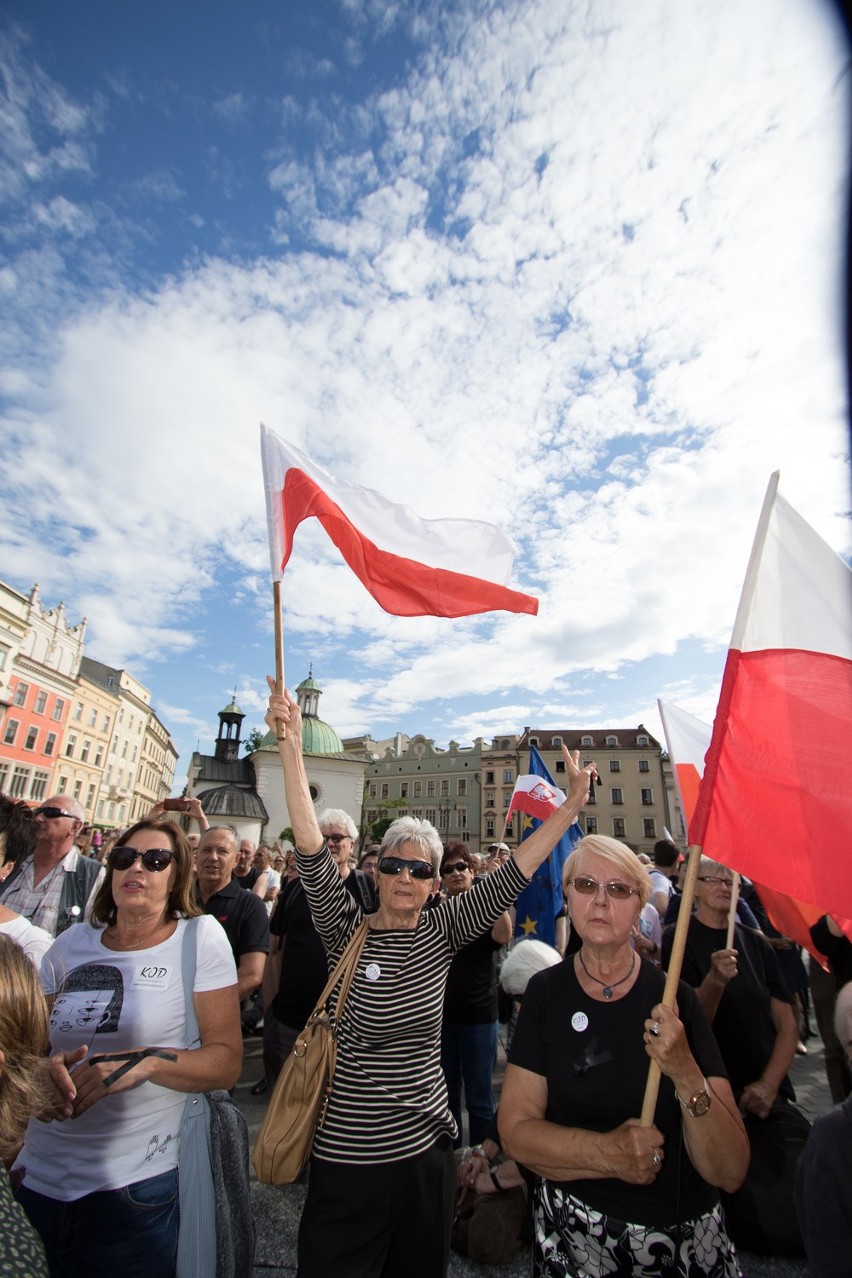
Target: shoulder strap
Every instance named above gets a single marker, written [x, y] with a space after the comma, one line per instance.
[188, 961]
[345, 969]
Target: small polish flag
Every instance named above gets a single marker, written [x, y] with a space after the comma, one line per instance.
[535, 797]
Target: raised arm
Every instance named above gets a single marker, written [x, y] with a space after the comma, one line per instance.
[285, 719]
[535, 849]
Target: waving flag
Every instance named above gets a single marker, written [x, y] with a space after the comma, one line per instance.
[536, 797]
[412, 567]
[541, 900]
[775, 801]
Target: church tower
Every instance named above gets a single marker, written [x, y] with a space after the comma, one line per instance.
[228, 740]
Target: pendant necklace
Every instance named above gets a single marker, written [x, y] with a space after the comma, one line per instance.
[607, 989]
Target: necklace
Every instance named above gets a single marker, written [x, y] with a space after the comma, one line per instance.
[607, 988]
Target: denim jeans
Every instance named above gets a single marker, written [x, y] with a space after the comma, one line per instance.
[468, 1056]
[114, 1233]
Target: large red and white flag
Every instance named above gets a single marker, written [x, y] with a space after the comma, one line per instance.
[775, 800]
[412, 567]
[536, 797]
[688, 740]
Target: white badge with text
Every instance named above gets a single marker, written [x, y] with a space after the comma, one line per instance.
[579, 1021]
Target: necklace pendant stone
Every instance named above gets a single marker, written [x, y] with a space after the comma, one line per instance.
[607, 991]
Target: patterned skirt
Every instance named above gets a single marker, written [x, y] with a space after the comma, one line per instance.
[573, 1241]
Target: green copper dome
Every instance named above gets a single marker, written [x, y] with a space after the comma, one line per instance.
[317, 738]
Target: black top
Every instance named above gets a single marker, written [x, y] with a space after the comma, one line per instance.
[593, 1058]
[247, 880]
[304, 966]
[837, 949]
[244, 918]
[743, 1023]
[471, 994]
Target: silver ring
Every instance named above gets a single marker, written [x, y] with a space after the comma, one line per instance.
[656, 1159]
[655, 1029]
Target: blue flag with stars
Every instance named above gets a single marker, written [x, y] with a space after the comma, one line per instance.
[540, 902]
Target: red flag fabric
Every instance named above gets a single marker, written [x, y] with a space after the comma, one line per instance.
[412, 567]
[775, 801]
[536, 797]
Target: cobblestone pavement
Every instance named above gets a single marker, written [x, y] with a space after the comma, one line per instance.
[277, 1210]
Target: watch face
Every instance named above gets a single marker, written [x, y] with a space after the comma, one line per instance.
[699, 1104]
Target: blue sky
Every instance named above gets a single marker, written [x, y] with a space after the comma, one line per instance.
[575, 269]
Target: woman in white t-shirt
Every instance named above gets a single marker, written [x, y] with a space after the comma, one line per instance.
[101, 1189]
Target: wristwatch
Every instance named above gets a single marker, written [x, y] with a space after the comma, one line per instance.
[698, 1103]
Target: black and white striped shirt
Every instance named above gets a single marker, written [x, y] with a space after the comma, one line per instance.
[389, 1101]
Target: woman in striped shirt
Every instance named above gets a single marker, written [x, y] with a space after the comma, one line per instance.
[382, 1178]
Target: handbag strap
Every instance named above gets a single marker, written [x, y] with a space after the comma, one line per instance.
[345, 970]
[188, 959]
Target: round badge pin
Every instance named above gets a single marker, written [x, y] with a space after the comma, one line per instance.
[579, 1021]
[372, 971]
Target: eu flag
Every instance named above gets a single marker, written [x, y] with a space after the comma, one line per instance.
[540, 902]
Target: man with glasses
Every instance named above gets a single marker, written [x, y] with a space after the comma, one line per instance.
[297, 968]
[55, 886]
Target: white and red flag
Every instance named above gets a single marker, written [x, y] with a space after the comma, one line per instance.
[775, 800]
[412, 567]
[535, 797]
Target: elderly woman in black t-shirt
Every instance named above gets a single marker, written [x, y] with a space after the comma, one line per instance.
[615, 1197]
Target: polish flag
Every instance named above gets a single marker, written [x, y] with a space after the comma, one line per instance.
[412, 567]
[535, 797]
[775, 800]
[688, 740]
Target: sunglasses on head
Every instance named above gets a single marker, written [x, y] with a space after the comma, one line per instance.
[155, 859]
[455, 865]
[396, 865]
[53, 813]
[588, 887]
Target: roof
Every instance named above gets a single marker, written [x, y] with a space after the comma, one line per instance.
[589, 738]
[232, 801]
[233, 708]
[235, 772]
[317, 738]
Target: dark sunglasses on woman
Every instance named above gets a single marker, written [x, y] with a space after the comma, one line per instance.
[396, 865]
[155, 859]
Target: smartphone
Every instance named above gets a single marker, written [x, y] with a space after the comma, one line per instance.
[175, 805]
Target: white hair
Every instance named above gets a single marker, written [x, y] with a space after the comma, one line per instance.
[421, 834]
[523, 961]
[336, 816]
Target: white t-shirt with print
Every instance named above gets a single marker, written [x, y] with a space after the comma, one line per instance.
[34, 941]
[116, 1001]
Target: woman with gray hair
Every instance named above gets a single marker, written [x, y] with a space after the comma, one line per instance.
[382, 1177]
[615, 1197]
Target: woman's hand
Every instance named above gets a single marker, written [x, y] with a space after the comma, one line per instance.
[580, 780]
[723, 966]
[100, 1076]
[635, 1153]
[666, 1043]
[283, 717]
[61, 1084]
[470, 1168]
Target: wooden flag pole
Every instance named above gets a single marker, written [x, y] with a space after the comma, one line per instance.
[279, 648]
[652, 1087]
[732, 912]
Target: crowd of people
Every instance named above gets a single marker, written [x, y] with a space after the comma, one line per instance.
[97, 1059]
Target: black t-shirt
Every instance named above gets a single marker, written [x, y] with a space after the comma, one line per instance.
[244, 918]
[743, 1023]
[471, 993]
[593, 1058]
[304, 966]
[246, 880]
[837, 949]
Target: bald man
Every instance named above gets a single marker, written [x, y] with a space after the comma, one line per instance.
[55, 885]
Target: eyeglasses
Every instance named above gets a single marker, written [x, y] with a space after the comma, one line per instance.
[588, 887]
[459, 866]
[336, 838]
[714, 881]
[154, 859]
[396, 865]
[53, 813]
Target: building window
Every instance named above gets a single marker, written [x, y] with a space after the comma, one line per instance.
[385, 790]
[591, 825]
[18, 785]
[647, 797]
[508, 776]
[614, 765]
[644, 765]
[618, 827]
[587, 741]
[50, 743]
[32, 737]
[100, 815]
[507, 798]
[62, 785]
[38, 786]
[461, 816]
[462, 787]
[444, 819]
[431, 816]
[58, 709]
[374, 790]
[99, 754]
[489, 777]
[93, 718]
[560, 765]
[489, 798]
[489, 827]
[11, 732]
[78, 712]
[21, 694]
[611, 741]
[69, 749]
[593, 798]
[105, 724]
[617, 794]
[557, 741]
[534, 741]
[642, 741]
[445, 787]
[430, 791]
[40, 703]
[403, 789]
[84, 753]
[418, 790]
[650, 827]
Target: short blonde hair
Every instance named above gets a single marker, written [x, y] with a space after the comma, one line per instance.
[620, 856]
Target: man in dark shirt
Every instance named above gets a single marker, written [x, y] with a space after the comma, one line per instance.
[242, 914]
[245, 875]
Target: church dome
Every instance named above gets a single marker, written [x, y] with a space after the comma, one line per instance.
[318, 737]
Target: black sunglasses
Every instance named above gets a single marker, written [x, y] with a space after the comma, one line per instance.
[336, 838]
[396, 865]
[53, 813]
[155, 859]
[455, 865]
